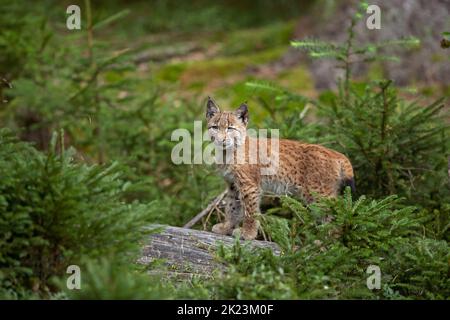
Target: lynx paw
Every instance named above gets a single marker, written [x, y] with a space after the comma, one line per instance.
[249, 231]
[224, 228]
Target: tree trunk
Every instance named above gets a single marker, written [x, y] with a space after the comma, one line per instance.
[188, 252]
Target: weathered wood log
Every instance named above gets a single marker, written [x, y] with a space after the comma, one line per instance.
[187, 252]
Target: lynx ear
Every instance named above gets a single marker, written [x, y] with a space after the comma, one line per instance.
[211, 108]
[242, 113]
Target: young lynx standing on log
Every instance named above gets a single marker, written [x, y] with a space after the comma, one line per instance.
[291, 167]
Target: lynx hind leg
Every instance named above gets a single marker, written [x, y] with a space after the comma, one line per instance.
[233, 212]
[303, 194]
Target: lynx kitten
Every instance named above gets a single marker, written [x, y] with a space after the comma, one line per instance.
[301, 169]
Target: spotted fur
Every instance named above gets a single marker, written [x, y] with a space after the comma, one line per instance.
[301, 169]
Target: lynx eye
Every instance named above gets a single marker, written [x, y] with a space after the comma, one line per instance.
[231, 128]
[214, 127]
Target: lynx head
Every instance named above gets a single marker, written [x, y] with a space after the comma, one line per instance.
[227, 129]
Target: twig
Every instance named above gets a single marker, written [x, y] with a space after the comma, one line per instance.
[207, 218]
[205, 211]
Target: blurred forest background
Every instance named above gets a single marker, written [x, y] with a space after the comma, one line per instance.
[86, 118]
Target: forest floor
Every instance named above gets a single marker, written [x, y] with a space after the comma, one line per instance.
[193, 61]
[218, 63]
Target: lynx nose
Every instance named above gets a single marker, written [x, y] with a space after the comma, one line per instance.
[221, 139]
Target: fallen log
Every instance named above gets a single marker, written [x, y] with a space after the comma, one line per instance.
[187, 252]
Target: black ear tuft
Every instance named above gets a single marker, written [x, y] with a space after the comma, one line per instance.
[211, 108]
[242, 113]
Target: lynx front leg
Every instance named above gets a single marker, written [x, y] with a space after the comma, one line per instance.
[250, 196]
[233, 212]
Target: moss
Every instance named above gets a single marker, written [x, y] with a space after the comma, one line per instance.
[202, 72]
[219, 67]
[235, 94]
[446, 90]
[437, 58]
[113, 76]
[296, 79]
[171, 72]
[257, 39]
[197, 85]
[428, 91]
[435, 90]
[375, 70]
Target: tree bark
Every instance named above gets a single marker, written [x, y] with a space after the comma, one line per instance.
[187, 252]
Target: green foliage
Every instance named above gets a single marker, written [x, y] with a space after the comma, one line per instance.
[106, 280]
[397, 146]
[53, 212]
[445, 42]
[287, 111]
[23, 34]
[107, 112]
[220, 15]
[393, 144]
[350, 53]
[60, 207]
[328, 258]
